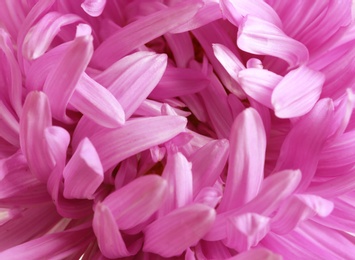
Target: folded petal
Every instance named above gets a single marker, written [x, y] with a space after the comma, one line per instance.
[297, 209]
[58, 88]
[142, 31]
[264, 38]
[259, 84]
[83, 174]
[35, 118]
[301, 149]
[208, 163]
[297, 92]
[245, 231]
[93, 7]
[181, 228]
[246, 160]
[137, 201]
[40, 36]
[97, 103]
[135, 136]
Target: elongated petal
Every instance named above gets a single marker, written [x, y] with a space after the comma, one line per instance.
[209, 196]
[57, 245]
[297, 92]
[245, 231]
[97, 103]
[93, 7]
[142, 31]
[35, 118]
[264, 38]
[137, 201]
[10, 128]
[58, 88]
[298, 209]
[39, 37]
[246, 160]
[135, 136]
[259, 84]
[301, 149]
[83, 174]
[109, 237]
[190, 223]
[257, 253]
[208, 163]
[235, 11]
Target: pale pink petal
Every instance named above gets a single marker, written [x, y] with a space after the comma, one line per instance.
[109, 237]
[137, 201]
[73, 63]
[264, 38]
[297, 92]
[236, 10]
[257, 253]
[209, 196]
[303, 144]
[297, 209]
[40, 36]
[246, 160]
[245, 231]
[93, 7]
[259, 84]
[191, 223]
[142, 31]
[56, 246]
[135, 136]
[83, 174]
[208, 163]
[97, 103]
[36, 116]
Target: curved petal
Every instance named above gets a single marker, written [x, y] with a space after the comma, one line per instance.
[257, 253]
[93, 7]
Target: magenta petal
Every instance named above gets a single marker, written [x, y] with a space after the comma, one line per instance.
[180, 229]
[10, 127]
[257, 253]
[142, 31]
[36, 116]
[297, 92]
[93, 7]
[264, 38]
[245, 231]
[246, 160]
[97, 103]
[58, 88]
[297, 209]
[83, 174]
[135, 136]
[137, 201]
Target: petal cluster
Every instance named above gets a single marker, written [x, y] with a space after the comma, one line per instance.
[199, 129]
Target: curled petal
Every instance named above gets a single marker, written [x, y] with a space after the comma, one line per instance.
[93, 7]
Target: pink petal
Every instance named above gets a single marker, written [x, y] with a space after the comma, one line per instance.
[40, 36]
[36, 116]
[301, 149]
[246, 160]
[182, 48]
[109, 237]
[137, 201]
[297, 209]
[97, 103]
[264, 38]
[236, 10]
[208, 163]
[56, 246]
[181, 229]
[142, 31]
[10, 128]
[259, 84]
[93, 7]
[246, 231]
[297, 92]
[83, 174]
[257, 253]
[209, 196]
[73, 63]
[135, 136]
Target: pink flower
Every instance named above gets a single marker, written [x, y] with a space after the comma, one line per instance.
[177, 129]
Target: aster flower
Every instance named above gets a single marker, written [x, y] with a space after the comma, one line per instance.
[177, 129]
